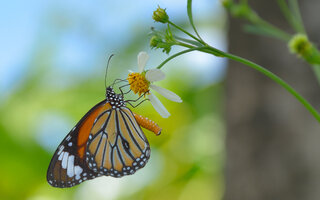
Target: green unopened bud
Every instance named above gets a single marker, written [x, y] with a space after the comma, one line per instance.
[160, 15]
[299, 44]
[154, 41]
[158, 43]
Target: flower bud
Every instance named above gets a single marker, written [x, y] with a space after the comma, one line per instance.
[300, 45]
[160, 15]
[154, 41]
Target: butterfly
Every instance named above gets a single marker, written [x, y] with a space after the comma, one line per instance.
[107, 141]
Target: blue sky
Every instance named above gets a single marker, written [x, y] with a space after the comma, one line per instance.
[27, 24]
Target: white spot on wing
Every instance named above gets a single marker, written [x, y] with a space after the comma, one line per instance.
[70, 168]
[65, 160]
[68, 138]
[70, 144]
[61, 156]
[60, 149]
[148, 153]
[77, 171]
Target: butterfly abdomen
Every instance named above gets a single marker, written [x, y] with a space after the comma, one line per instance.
[148, 124]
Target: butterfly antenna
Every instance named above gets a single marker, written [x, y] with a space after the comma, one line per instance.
[105, 77]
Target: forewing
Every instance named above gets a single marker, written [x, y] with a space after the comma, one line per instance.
[68, 167]
[116, 145]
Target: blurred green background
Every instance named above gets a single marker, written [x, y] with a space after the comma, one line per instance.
[53, 59]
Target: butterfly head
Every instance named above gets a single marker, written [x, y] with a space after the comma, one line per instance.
[109, 91]
[116, 100]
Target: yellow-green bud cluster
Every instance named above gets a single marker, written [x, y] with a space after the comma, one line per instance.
[160, 15]
[154, 41]
[301, 46]
[158, 42]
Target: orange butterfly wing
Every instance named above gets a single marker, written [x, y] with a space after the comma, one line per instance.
[107, 141]
[68, 167]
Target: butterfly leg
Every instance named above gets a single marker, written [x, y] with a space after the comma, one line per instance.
[137, 98]
[120, 88]
[134, 106]
[118, 80]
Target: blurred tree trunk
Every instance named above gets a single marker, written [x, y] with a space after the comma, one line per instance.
[273, 142]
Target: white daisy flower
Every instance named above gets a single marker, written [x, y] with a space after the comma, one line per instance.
[141, 82]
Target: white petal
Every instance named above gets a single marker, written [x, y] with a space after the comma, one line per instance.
[156, 103]
[142, 60]
[166, 93]
[153, 75]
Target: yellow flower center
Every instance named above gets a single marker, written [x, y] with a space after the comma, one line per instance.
[138, 83]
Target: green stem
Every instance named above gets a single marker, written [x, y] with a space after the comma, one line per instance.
[178, 54]
[214, 51]
[192, 42]
[189, 10]
[278, 80]
[272, 30]
[316, 69]
[189, 34]
[296, 12]
[257, 24]
[185, 45]
[292, 15]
